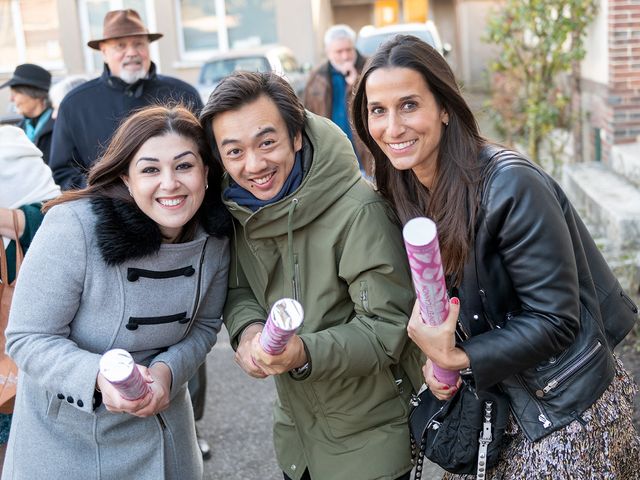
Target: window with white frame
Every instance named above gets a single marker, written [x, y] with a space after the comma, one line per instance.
[29, 33]
[208, 26]
[92, 13]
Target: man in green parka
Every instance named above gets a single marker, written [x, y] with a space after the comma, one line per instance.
[308, 227]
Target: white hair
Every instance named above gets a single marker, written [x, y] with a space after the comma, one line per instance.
[339, 32]
[60, 89]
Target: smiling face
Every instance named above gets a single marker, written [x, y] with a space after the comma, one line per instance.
[255, 147]
[167, 180]
[405, 120]
[127, 57]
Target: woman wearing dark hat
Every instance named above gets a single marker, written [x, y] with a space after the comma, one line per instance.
[30, 94]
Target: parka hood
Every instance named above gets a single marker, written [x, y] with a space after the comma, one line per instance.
[332, 170]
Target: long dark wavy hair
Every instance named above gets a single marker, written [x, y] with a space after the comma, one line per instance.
[105, 176]
[454, 198]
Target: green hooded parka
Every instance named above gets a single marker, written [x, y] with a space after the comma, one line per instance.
[335, 246]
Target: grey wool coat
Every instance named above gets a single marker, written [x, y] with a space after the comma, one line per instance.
[97, 277]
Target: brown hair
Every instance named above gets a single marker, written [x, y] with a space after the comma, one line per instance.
[453, 200]
[105, 176]
[241, 88]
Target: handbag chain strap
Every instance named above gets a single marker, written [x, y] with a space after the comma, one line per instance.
[418, 456]
[484, 441]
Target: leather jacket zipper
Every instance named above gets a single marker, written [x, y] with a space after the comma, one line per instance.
[542, 416]
[563, 376]
[628, 301]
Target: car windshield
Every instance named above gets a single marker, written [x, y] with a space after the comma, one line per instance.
[369, 44]
[216, 70]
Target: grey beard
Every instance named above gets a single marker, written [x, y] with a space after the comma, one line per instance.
[132, 77]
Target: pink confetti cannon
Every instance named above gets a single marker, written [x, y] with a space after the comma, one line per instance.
[284, 319]
[118, 367]
[421, 242]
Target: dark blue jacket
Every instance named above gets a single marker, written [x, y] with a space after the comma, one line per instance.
[90, 114]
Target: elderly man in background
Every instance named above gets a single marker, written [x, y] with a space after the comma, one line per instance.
[89, 114]
[328, 91]
[30, 94]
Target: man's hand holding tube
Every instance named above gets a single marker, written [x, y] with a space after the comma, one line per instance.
[243, 352]
[293, 356]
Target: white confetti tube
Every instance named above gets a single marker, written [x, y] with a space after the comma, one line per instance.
[285, 318]
[118, 367]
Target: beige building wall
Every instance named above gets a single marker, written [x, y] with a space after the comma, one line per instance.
[443, 14]
[356, 16]
[595, 66]
[295, 24]
[70, 38]
[474, 53]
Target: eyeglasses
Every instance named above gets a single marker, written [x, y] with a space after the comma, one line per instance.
[138, 45]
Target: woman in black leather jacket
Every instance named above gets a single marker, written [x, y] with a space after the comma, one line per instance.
[540, 307]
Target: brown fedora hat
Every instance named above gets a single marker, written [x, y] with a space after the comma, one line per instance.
[122, 23]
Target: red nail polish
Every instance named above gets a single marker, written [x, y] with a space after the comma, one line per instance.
[455, 301]
[446, 387]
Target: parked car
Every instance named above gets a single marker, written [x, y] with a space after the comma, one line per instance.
[276, 58]
[370, 37]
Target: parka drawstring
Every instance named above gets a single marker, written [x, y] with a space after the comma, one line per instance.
[292, 207]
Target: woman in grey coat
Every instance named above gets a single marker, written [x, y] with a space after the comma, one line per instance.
[137, 260]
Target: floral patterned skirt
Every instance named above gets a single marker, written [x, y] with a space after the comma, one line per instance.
[608, 447]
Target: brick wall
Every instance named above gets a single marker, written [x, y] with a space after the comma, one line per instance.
[624, 71]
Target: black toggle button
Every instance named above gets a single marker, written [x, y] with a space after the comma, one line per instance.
[70, 399]
[80, 403]
[61, 396]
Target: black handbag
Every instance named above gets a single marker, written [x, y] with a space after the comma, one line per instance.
[464, 434]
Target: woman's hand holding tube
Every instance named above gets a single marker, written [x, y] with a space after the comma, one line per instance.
[113, 400]
[161, 390]
[439, 343]
[440, 390]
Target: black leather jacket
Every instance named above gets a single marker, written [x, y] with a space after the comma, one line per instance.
[532, 299]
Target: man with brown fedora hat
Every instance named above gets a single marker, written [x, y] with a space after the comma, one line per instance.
[90, 114]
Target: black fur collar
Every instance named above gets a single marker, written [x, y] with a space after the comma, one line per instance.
[124, 232]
